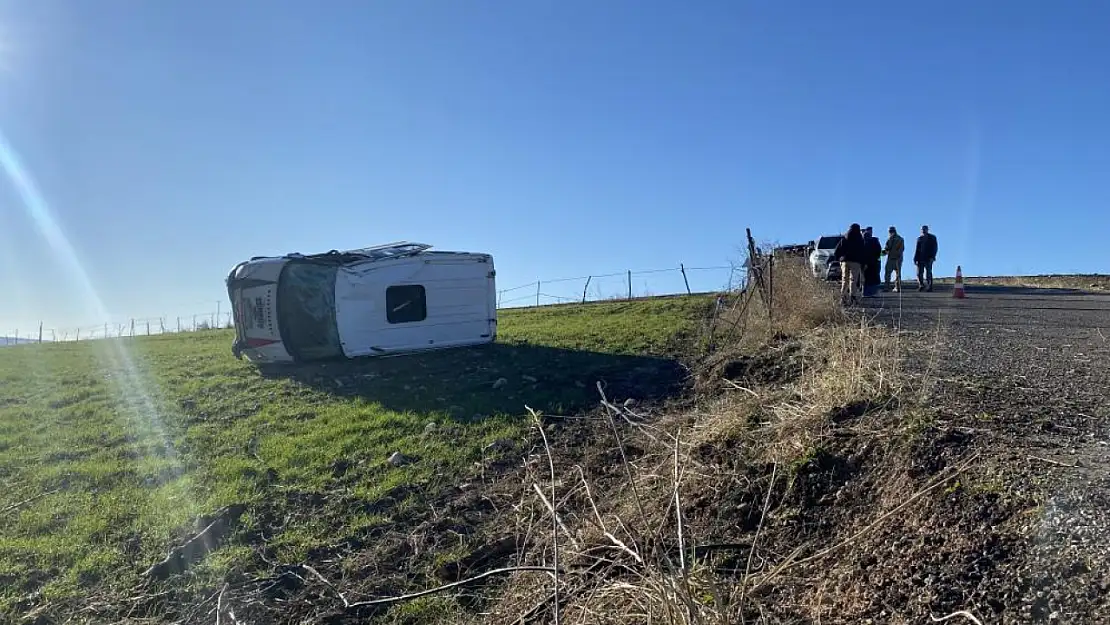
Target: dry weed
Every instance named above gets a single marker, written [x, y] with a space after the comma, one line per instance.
[671, 532]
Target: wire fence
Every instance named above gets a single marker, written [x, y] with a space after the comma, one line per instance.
[626, 284]
[144, 326]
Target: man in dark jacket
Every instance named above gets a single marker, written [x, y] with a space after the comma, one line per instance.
[872, 264]
[924, 257]
[893, 250]
[852, 254]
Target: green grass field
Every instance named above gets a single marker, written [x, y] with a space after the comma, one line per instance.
[110, 450]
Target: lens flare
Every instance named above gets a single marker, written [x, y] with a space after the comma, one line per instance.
[120, 366]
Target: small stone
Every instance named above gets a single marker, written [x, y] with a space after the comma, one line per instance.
[431, 427]
[529, 379]
[628, 403]
[397, 459]
[500, 383]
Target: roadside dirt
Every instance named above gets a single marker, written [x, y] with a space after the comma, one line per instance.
[1020, 378]
[1095, 283]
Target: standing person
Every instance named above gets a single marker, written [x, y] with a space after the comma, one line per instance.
[894, 249]
[924, 257]
[872, 263]
[851, 254]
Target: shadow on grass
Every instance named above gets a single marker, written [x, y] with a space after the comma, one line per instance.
[474, 382]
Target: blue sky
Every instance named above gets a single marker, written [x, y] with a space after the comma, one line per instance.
[171, 139]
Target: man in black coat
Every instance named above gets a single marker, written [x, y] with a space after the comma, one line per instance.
[852, 254]
[872, 264]
[924, 257]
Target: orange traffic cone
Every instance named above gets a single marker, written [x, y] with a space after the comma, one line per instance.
[958, 290]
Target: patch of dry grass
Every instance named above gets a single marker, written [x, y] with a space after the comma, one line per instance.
[1096, 283]
[792, 303]
[1082, 282]
[680, 518]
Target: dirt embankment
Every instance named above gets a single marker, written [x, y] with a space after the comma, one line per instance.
[849, 470]
[823, 467]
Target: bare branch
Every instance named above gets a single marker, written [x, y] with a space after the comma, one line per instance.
[678, 510]
[220, 605]
[740, 388]
[963, 613]
[555, 522]
[755, 539]
[20, 504]
[1055, 462]
[551, 509]
[469, 580]
[325, 581]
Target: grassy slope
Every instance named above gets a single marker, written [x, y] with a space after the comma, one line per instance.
[120, 445]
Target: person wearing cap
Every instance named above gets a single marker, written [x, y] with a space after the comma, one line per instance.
[893, 250]
[924, 257]
[873, 263]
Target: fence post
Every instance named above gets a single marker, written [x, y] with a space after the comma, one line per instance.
[588, 278]
[755, 268]
[162, 325]
[537, 292]
[683, 269]
[148, 327]
[179, 324]
[216, 319]
[629, 284]
[132, 327]
[194, 323]
[53, 336]
[771, 288]
[40, 332]
[731, 269]
[78, 335]
[105, 330]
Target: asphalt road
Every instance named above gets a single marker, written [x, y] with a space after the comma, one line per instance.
[1049, 311]
[1025, 373]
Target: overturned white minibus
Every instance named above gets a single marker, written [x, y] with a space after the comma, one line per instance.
[373, 301]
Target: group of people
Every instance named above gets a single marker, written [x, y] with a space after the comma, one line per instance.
[860, 255]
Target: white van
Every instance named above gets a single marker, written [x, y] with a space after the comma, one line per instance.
[373, 301]
[821, 261]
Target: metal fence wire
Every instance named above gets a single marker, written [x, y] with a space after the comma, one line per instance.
[626, 284]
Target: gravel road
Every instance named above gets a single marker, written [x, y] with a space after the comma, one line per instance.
[1026, 374]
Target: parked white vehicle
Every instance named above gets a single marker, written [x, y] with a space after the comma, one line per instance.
[821, 261]
[373, 301]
